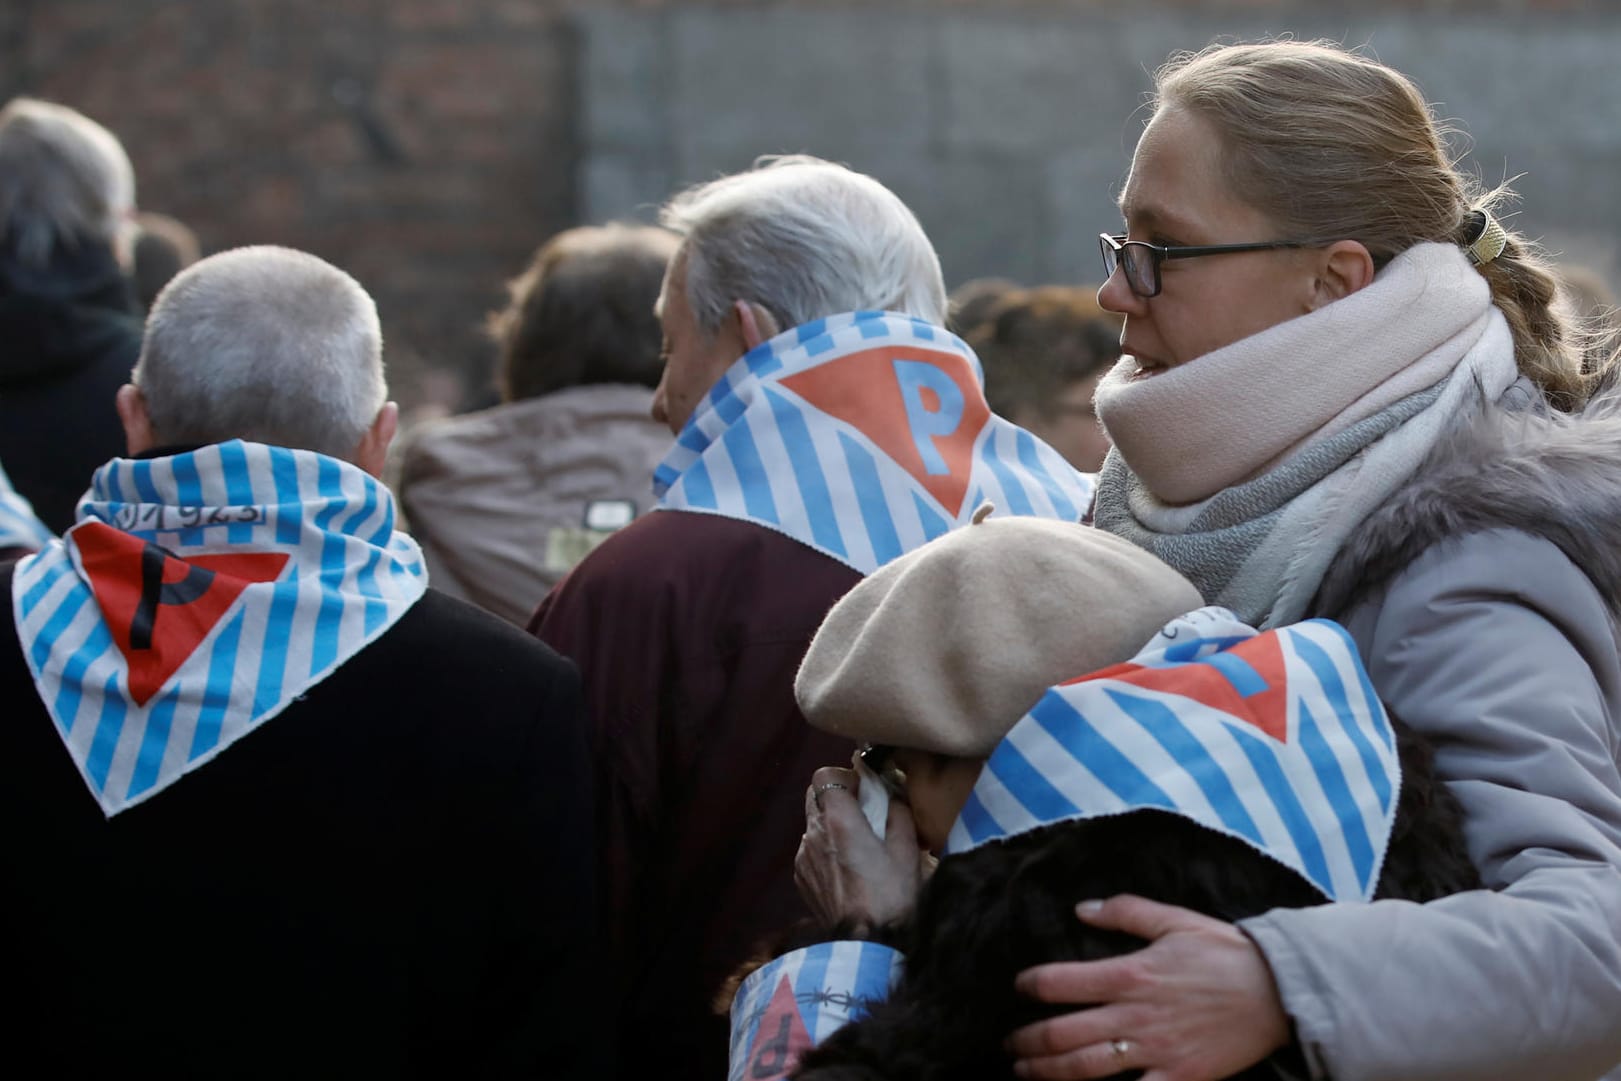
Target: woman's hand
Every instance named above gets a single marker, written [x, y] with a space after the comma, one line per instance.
[1197, 1004]
[844, 872]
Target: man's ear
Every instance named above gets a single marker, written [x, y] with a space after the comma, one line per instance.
[1344, 267]
[131, 406]
[755, 324]
[372, 451]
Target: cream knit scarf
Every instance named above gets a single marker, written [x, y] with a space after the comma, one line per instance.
[1249, 467]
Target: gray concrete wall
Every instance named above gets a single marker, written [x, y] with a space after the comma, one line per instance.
[1009, 133]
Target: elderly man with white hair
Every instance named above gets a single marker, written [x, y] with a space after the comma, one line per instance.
[67, 315]
[280, 808]
[826, 423]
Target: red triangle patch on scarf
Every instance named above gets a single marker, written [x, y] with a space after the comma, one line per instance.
[922, 407]
[780, 1039]
[1249, 682]
[157, 606]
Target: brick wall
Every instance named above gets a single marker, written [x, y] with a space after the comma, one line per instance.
[428, 145]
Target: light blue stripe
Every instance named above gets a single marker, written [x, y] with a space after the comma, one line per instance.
[273, 653]
[1118, 773]
[1332, 778]
[66, 611]
[872, 330]
[1322, 666]
[188, 487]
[329, 486]
[289, 497]
[1188, 652]
[720, 391]
[872, 977]
[70, 692]
[1238, 672]
[217, 691]
[145, 488]
[977, 820]
[328, 618]
[808, 982]
[1025, 783]
[111, 482]
[376, 609]
[108, 729]
[922, 331]
[154, 743]
[1026, 444]
[664, 477]
[1018, 501]
[933, 525]
[238, 488]
[751, 473]
[886, 545]
[52, 575]
[1161, 722]
[699, 491]
[693, 438]
[762, 360]
[821, 344]
[807, 468]
[1263, 758]
[368, 507]
[730, 409]
[806, 331]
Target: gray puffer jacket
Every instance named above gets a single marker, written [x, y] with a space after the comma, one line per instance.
[1485, 599]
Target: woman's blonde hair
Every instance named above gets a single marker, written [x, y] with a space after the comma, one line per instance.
[1332, 145]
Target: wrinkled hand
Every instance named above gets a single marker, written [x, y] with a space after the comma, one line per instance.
[843, 871]
[1197, 1004]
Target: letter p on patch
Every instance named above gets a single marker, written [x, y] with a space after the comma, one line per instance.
[926, 424]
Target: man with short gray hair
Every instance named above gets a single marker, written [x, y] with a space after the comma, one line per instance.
[290, 811]
[67, 315]
[826, 423]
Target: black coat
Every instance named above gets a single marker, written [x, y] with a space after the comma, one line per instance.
[69, 336]
[391, 878]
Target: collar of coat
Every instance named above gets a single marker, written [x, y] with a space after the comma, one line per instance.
[1515, 464]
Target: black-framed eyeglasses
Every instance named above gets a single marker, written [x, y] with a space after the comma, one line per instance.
[1142, 260]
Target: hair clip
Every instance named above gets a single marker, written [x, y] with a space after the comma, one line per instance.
[1486, 239]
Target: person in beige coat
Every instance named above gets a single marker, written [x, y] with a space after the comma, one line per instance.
[505, 501]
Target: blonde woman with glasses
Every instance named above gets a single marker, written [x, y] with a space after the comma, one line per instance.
[1347, 392]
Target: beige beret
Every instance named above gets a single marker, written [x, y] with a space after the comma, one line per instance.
[945, 648]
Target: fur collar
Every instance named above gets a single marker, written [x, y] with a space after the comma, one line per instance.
[1516, 464]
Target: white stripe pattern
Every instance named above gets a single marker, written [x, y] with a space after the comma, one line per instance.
[19, 526]
[1321, 801]
[757, 450]
[832, 984]
[348, 578]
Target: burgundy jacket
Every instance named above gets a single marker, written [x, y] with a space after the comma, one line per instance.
[687, 629]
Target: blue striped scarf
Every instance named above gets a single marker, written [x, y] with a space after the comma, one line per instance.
[798, 1000]
[197, 596]
[19, 527]
[1276, 739]
[862, 435]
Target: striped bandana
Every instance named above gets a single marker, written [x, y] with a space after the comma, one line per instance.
[863, 435]
[197, 596]
[19, 527]
[1277, 739]
[794, 1003]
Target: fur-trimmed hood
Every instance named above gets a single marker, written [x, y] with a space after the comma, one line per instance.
[1516, 464]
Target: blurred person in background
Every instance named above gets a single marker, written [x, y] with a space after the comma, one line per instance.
[971, 301]
[69, 324]
[1044, 351]
[826, 423]
[163, 247]
[506, 500]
